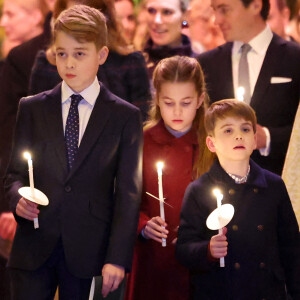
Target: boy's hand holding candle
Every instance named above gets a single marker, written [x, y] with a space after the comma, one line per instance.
[27, 209]
[218, 219]
[218, 244]
[31, 197]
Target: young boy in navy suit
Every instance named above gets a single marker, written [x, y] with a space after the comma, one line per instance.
[261, 243]
[86, 145]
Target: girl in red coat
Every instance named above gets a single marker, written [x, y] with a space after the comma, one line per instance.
[175, 135]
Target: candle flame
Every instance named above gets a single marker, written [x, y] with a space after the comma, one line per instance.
[160, 165]
[217, 192]
[240, 93]
[27, 155]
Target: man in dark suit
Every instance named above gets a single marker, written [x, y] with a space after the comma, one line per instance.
[89, 226]
[273, 69]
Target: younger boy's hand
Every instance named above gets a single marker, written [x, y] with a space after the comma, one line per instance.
[27, 209]
[218, 244]
[154, 230]
[112, 277]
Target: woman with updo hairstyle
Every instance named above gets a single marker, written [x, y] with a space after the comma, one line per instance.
[165, 20]
[124, 73]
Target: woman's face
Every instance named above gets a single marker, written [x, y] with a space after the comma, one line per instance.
[125, 14]
[164, 19]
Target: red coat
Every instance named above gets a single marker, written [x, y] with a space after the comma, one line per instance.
[156, 274]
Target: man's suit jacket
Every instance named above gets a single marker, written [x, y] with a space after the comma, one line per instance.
[94, 207]
[275, 104]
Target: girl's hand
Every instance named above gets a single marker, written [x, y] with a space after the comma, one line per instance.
[218, 244]
[154, 230]
[27, 209]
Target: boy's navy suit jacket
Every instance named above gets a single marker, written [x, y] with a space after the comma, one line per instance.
[275, 104]
[93, 208]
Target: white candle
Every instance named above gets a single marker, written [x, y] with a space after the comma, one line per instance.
[240, 92]
[31, 183]
[219, 197]
[159, 167]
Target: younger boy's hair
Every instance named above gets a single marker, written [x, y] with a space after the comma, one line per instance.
[84, 24]
[228, 108]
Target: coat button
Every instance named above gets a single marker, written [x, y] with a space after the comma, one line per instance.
[237, 266]
[260, 227]
[262, 265]
[68, 189]
[235, 227]
[231, 192]
[255, 190]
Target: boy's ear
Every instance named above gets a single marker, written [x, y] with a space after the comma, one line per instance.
[200, 100]
[210, 144]
[103, 54]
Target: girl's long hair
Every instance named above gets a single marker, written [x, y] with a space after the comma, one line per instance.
[184, 69]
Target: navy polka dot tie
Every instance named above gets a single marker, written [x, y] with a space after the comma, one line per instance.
[72, 130]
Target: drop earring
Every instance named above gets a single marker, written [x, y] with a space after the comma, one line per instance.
[185, 24]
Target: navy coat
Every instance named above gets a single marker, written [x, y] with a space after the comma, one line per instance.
[263, 238]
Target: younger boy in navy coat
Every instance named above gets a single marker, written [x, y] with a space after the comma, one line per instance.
[261, 243]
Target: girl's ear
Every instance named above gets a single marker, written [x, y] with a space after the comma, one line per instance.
[210, 143]
[200, 100]
[156, 99]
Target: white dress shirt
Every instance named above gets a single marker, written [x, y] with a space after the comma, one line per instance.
[85, 107]
[259, 46]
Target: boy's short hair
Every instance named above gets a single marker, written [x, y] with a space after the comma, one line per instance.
[228, 108]
[83, 23]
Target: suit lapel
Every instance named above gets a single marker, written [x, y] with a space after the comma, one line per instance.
[98, 118]
[228, 83]
[53, 117]
[274, 53]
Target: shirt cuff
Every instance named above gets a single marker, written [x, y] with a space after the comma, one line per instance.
[143, 234]
[266, 151]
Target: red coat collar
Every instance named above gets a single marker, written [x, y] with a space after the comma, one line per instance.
[161, 135]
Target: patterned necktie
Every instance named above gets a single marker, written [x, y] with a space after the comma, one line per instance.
[243, 76]
[72, 130]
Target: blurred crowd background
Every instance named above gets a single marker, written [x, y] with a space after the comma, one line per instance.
[284, 20]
